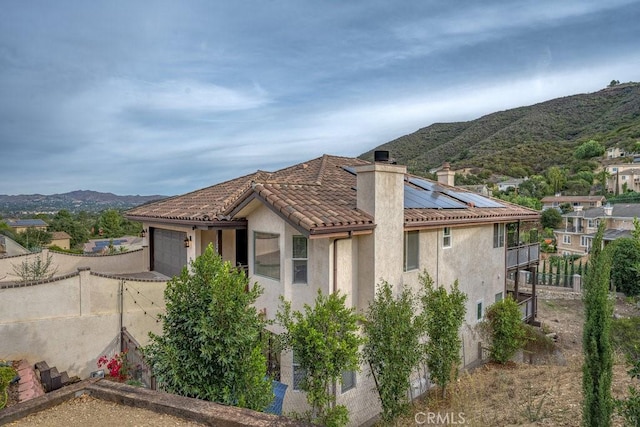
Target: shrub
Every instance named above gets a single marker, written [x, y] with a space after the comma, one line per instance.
[507, 333]
[7, 373]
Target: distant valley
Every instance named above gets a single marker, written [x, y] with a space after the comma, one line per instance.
[74, 201]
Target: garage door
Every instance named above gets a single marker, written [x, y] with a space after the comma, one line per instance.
[169, 253]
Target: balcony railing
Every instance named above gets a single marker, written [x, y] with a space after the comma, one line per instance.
[523, 255]
[526, 305]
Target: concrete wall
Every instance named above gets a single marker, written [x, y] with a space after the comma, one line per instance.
[119, 263]
[72, 320]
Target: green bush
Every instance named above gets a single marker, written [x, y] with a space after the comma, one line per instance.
[625, 334]
[507, 333]
[7, 373]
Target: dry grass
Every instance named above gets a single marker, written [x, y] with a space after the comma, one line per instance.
[520, 394]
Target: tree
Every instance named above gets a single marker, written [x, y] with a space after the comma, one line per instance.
[589, 149]
[625, 255]
[392, 347]
[556, 177]
[629, 408]
[37, 269]
[33, 238]
[505, 330]
[536, 186]
[596, 340]
[63, 220]
[325, 341]
[210, 347]
[444, 313]
[110, 222]
[550, 218]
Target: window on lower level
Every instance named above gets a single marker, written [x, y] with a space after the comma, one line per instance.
[584, 240]
[411, 250]
[566, 239]
[348, 380]
[499, 297]
[299, 374]
[479, 311]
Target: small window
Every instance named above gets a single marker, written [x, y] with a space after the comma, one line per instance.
[446, 237]
[479, 312]
[590, 223]
[300, 257]
[299, 374]
[566, 239]
[499, 297]
[498, 235]
[266, 256]
[583, 241]
[348, 380]
[411, 250]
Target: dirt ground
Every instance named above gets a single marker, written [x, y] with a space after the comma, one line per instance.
[523, 394]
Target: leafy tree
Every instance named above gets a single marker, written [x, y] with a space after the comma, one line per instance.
[444, 313]
[507, 333]
[602, 178]
[588, 150]
[210, 347]
[110, 222]
[551, 218]
[629, 408]
[556, 178]
[33, 238]
[528, 202]
[325, 341]
[63, 220]
[577, 187]
[625, 256]
[536, 187]
[596, 340]
[392, 347]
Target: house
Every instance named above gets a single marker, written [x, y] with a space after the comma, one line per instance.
[585, 202]
[580, 226]
[623, 177]
[615, 152]
[345, 224]
[60, 239]
[510, 183]
[21, 225]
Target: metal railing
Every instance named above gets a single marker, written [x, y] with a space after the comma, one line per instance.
[139, 369]
[523, 255]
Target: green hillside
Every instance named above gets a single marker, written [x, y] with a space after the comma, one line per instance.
[526, 140]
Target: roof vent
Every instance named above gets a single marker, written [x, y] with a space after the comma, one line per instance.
[608, 210]
[381, 156]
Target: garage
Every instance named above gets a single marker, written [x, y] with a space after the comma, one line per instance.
[168, 254]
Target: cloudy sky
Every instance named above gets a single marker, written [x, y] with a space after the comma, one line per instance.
[165, 97]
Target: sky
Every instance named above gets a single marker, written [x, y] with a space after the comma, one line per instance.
[166, 97]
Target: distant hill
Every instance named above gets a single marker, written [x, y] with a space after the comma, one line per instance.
[525, 140]
[74, 201]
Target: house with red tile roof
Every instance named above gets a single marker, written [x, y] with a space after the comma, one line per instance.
[345, 224]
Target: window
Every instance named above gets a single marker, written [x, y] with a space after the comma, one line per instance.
[266, 255]
[348, 380]
[446, 237]
[566, 239]
[499, 297]
[299, 374]
[479, 312]
[411, 250]
[498, 235]
[591, 223]
[583, 241]
[300, 245]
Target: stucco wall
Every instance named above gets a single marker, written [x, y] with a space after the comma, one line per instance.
[71, 321]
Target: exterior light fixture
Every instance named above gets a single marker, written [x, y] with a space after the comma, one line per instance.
[187, 241]
[143, 233]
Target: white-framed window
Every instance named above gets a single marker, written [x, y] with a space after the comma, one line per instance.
[591, 223]
[411, 250]
[348, 381]
[266, 254]
[566, 239]
[499, 297]
[300, 259]
[299, 374]
[584, 241]
[446, 237]
[479, 310]
[498, 235]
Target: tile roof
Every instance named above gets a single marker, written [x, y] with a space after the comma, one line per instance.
[59, 235]
[549, 199]
[318, 196]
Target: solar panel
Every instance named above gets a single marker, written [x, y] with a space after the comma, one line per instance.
[464, 197]
[416, 199]
[350, 169]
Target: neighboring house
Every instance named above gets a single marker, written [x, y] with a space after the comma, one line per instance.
[60, 239]
[615, 152]
[21, 225]
[345, 224]
[9, 247]
[510, 183]
[585, 202]
[580, 227]
[623, 177]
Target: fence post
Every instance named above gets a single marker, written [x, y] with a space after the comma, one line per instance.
[577, 283]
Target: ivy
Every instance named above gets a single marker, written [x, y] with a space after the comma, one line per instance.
[507, 333]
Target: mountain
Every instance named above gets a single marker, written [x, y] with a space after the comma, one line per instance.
[525, 140]
[74, 201]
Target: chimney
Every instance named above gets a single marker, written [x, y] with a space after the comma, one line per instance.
[446, 175]
[381, 156]
[608, 210]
